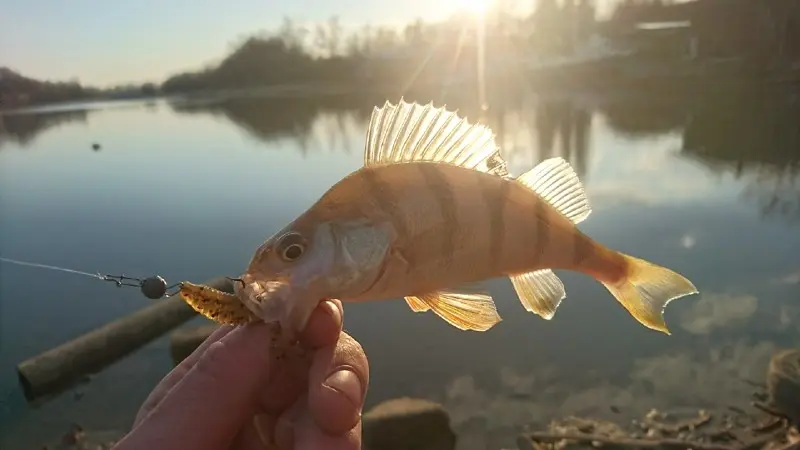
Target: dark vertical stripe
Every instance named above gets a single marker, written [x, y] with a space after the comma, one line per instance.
[582, 248]
[444, 195]
[495, 195]
[385, 199]
[542, 221]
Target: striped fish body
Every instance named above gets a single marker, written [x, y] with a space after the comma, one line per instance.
[455, 226]
[434, 212]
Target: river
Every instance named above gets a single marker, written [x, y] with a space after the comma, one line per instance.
[707, 187]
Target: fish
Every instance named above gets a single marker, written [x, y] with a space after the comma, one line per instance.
[433, 214]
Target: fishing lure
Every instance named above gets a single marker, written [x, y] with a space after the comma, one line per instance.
[219, 306]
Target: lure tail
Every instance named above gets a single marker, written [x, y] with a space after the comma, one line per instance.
[646, 289]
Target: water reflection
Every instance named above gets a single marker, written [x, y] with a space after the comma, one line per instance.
[674, 151]
[757, 143]
[534, 131]
[642, 118]
[679, 378]
[749, 141]
[23, 128]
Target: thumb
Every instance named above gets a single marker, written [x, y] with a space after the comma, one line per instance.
[210, 404]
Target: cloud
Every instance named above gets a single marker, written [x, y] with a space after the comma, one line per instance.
[714, 311]
[789, 278]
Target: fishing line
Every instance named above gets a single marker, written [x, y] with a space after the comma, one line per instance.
[153, 287]
[46, 266]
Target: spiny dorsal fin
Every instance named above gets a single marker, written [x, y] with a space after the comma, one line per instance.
[540, 292]
[410, 132]
[464, 310]
[555, 181]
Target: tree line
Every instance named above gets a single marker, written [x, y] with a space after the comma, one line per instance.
[375, 56]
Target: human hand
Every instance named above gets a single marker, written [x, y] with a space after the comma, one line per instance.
[232, 393]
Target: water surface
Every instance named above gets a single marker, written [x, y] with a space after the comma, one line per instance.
[707, 187]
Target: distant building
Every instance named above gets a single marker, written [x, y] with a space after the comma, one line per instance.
[758, 31]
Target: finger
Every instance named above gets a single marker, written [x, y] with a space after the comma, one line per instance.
[298, 430]
[256, 434]
[323, 326]
[290, 378]
[178, 372]
[308, 436]
[206, 409]
[284, 431]
[338, 382]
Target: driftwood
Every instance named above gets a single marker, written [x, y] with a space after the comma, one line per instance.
[783, 384]
[61, 367]
[703, 418]
[695, 434]
[666, 443]
[776, 428]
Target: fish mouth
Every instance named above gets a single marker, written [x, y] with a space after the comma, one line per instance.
[267, 299]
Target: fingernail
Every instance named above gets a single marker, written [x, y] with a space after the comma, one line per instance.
[334, 311]
[284, 434]
[347, 383]
[265, 427]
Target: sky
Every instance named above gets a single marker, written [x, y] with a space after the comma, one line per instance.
[103, 43]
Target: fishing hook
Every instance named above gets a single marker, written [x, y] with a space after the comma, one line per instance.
[231, 279]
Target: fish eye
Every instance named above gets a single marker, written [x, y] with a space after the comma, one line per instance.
[291, 247]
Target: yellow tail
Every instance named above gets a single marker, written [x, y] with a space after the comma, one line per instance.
[647, 289]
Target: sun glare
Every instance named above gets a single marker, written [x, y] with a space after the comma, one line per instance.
[473, 6]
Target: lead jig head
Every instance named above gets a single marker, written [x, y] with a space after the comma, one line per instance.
[154, 287]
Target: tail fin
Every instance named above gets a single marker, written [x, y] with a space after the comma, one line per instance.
[647, 289]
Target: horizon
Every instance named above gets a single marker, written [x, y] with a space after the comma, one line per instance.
[104, 44]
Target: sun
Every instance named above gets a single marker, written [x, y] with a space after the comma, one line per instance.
[473, 6]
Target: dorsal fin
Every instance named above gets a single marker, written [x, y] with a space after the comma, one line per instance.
[410, 132]
[557, 183]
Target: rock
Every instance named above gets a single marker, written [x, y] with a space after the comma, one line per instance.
[783, 383]
[184, 341]
[79, 439]
[408, 423]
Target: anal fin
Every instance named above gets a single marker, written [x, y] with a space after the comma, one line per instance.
[463, 310]
[540, 291]
[417, 305]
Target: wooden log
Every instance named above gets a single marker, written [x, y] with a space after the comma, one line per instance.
[58, 369]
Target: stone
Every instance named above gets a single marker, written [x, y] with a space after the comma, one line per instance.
[408, 423]
[79, 439]
[783, 383]
[184, 341]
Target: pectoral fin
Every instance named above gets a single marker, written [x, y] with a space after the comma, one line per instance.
[464, 310]
[540, 292]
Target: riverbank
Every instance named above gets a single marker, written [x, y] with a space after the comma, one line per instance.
[403, 423]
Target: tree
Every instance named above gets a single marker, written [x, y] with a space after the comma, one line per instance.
[293, 36]
[328, 37]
